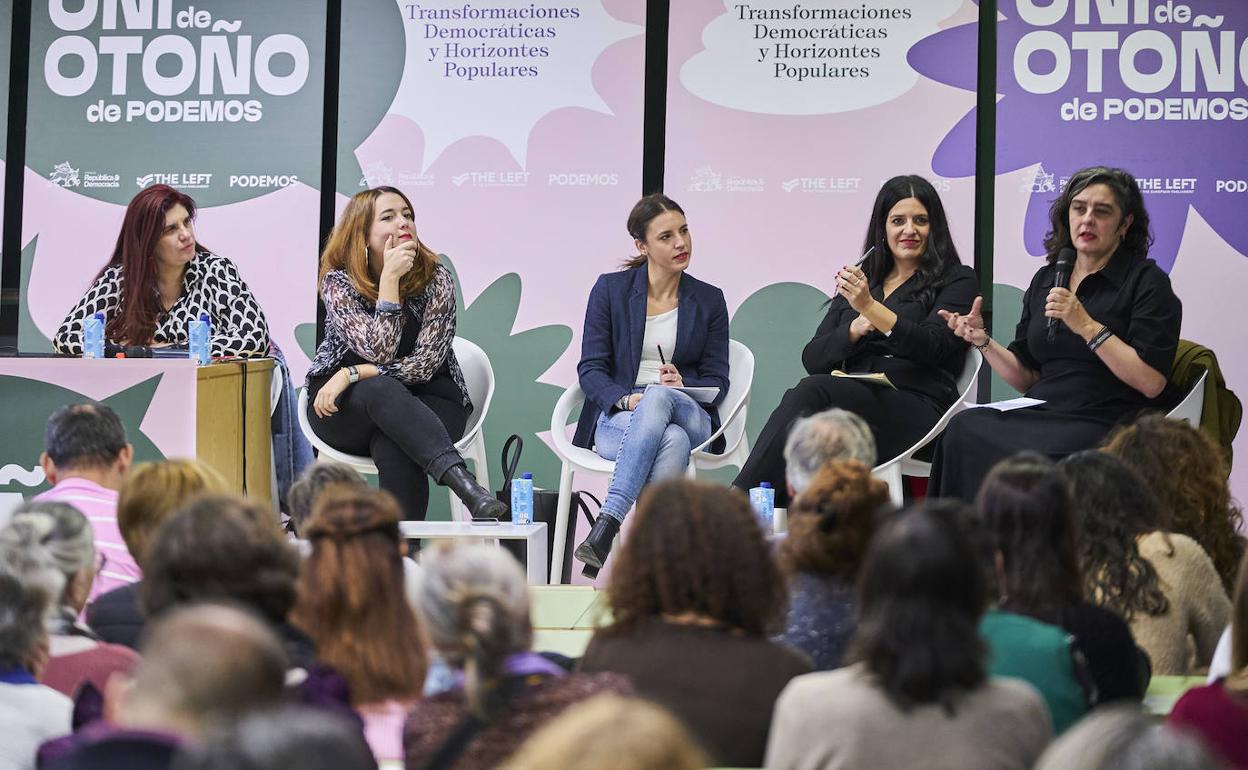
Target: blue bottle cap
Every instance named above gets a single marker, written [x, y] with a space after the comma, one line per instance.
[204, 317]
[526, 476]
[99, 315]
[765, 484]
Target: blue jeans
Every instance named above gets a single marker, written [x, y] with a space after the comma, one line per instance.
[648, 444]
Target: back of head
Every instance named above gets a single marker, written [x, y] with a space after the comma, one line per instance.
[152, 492]
[814, 441]
[353, 580]
[221, 548]
[696, 548]
[475, 601]
[831, 523]
[1114, 507]
[49, 543]
[298, 738]
[608, 732]
[920, 598]
[301, 498]
[1025, 506]
[203, 665]
[84, 436]
[1122, 738]
[22, 607]
[1188, 472]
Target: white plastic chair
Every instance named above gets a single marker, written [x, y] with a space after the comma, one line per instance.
[904, 464]
[479, 377]
[732, 427]
[1193, 404]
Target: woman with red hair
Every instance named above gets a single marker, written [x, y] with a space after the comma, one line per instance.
[160, 278]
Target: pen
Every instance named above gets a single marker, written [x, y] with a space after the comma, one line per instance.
[662, 360]
[863, 258]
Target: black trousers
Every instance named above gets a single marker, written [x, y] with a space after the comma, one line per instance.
[407, 432]
[897, 419]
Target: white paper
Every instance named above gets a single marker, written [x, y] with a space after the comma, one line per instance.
[704, 395]
[1009, 405]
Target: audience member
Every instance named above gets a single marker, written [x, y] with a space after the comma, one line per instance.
[693, 597]
[475, 603]
[815, 441]
[830, 526]
[152, 492]
[86, 458]
[50, 543]
[284, 738]
[608, 732]
[917, 692]
[1122, 738]
[30, 713]
[1218, 712]
[203, 666]
[1162, 583]
[1188, 472]
[351, 601]
[1025, 508]
[308, 488]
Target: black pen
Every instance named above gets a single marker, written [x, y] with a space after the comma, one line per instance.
[662, 360]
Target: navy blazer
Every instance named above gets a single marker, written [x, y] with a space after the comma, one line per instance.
[615, 322]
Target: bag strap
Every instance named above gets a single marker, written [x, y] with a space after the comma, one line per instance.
[510, 464]
[579, 499]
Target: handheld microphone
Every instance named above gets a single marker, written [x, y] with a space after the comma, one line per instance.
[1062, 269]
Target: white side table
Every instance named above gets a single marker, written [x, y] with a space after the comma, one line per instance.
[533, 535]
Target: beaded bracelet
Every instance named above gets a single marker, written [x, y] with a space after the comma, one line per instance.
[984, 347]
[1099, 338]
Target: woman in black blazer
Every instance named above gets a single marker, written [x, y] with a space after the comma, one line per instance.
[649, 329]
[882, 320]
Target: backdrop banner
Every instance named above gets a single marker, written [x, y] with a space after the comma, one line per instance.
[221, 100]
[783, 120]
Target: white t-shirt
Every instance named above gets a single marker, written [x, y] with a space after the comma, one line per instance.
[660, 332]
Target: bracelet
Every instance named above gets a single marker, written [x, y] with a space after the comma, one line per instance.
[622, 403]
[984, 347]
[1099, 338]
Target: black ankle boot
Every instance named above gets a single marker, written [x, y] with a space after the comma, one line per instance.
[593, 552]
[481, 502]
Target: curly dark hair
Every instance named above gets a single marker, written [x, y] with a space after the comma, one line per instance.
[1115, 507]
[921, 594]
[1025, 505]
[831, 523]
[221, 548]
[696, 547]
[1188, 473]
[1137, 240]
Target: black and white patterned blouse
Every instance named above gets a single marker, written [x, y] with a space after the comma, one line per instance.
[373, 330]
[210, 285]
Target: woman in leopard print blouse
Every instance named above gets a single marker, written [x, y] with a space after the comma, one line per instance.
[385, 381]
[178, 280]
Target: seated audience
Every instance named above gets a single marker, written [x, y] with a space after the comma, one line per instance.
[202, 666]
[1122, 738]
[152, 492]
[475, 603]
[608, 732]
[1218, 712]
[308, 488]
[1188, 472]
[86, 458]
[917, 692]
[50, 543]
[693, 597]
[351, 601]
[815, 441]
[283, 738]
[830, 526]
[30, 713]
[1162, 583]
[1025, 509]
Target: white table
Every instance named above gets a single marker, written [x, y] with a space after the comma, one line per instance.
[533, 535]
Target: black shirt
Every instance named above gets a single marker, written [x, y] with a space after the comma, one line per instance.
[1130, 295]
[920, 355]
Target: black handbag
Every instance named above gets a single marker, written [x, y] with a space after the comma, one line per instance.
[545, 509]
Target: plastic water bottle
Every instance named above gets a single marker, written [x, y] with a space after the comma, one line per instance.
[93, 336]
[522, 499]
[763, 500]
[199, 333]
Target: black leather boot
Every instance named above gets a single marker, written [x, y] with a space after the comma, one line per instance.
[593, 552]
[481, 502]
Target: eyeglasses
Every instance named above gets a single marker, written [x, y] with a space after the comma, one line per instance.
[101, 561]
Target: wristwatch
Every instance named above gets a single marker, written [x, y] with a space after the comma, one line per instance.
[353, 374]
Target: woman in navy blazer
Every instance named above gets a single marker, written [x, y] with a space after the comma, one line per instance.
[649, 329]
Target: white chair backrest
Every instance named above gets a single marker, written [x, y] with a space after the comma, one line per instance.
[970, 376]
[740, 380]
[1192, 406]
[478, 376]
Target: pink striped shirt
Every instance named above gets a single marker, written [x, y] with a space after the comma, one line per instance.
[99, 505]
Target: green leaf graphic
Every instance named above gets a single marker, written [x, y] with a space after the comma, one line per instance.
[1007, 308]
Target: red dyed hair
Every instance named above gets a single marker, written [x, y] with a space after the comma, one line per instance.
[135, 253]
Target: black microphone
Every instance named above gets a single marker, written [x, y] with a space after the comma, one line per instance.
[1061, 280]
[113, 350]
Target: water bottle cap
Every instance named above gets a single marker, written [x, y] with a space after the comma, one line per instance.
[204, 317]
[765, 484]
[99, 315]
[526, 476]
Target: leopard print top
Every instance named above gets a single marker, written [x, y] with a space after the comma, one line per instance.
[353, 323]
[211, 285]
